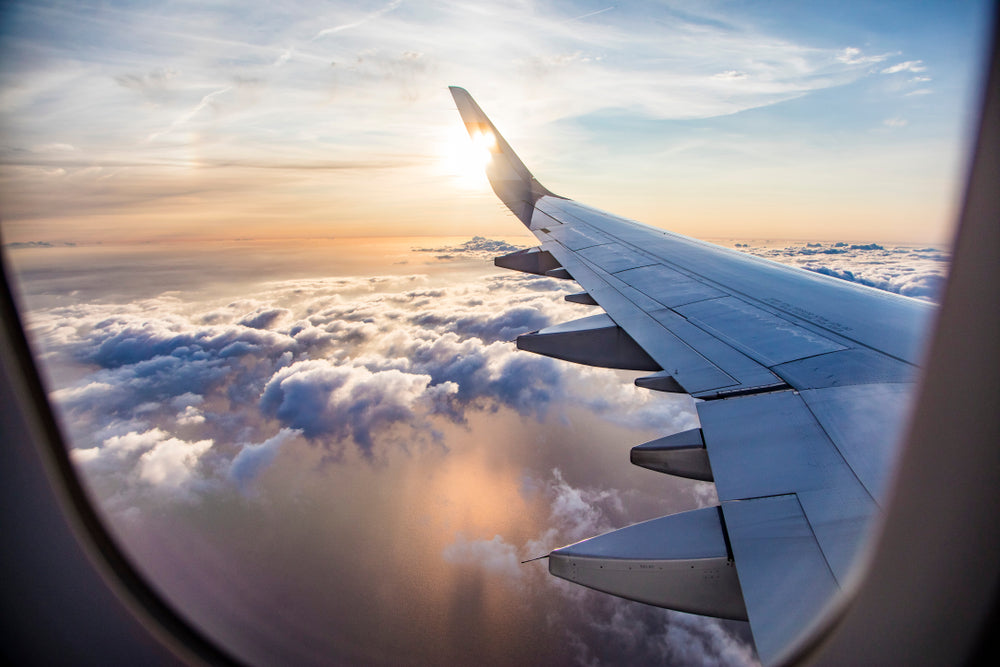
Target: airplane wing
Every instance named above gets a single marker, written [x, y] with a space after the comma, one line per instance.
[805, 381]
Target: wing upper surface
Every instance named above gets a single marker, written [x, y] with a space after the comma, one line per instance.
[806, 379]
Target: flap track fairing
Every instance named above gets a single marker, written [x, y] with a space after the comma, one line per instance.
[593, 341]
[581, 297]
[680, 562]
[681, 454]
[532, 260]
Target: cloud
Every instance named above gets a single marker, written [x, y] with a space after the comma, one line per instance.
[150, 461]
[367, 365]
[56, 147]
[265, 318]
[205, 102]
[908, 66]
[581, 513]
[360, 22]
[926, 286]
[20, 245]
[349, 364]
[190, 415]
[154, 86]
[254, 457]
[332, 401]
[914, 272]
[478, 246]
[176, 402]
[495, 556]
[852, 55]
[169, 464]
[593, 13]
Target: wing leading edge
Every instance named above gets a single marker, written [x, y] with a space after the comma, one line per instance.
[806, 382]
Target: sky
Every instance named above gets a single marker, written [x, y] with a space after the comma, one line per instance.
[254, 256]
[224, 120]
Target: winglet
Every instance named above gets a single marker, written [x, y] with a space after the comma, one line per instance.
[511, 180]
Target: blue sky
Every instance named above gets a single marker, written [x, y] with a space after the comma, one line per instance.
[189, 120]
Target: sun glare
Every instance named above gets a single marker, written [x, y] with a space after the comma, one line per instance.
[465, 158]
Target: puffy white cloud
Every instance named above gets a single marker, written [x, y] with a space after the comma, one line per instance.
[918, 272]
[365, 363]
[138, 461]
[326, 400]
[190, 415]
[169, 464]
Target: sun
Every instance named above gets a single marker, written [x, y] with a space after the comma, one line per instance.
[465, 157]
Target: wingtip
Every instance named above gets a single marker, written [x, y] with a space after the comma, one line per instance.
[531, 560]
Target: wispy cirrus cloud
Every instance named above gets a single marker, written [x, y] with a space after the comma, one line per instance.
[907, 66]
[360, 22]
[852, 55]
[175, 105]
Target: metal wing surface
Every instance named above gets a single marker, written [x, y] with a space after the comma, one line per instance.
[805, 379]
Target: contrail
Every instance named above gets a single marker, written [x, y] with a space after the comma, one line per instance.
[347, 26]
[589, 14]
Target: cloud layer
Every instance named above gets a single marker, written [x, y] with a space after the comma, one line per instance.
[258, 407]
[915, 271]
[386, 420]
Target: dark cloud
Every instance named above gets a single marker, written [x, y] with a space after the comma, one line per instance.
[265, 318]
[20, 245]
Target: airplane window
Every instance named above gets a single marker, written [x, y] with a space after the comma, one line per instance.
[252, 253]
